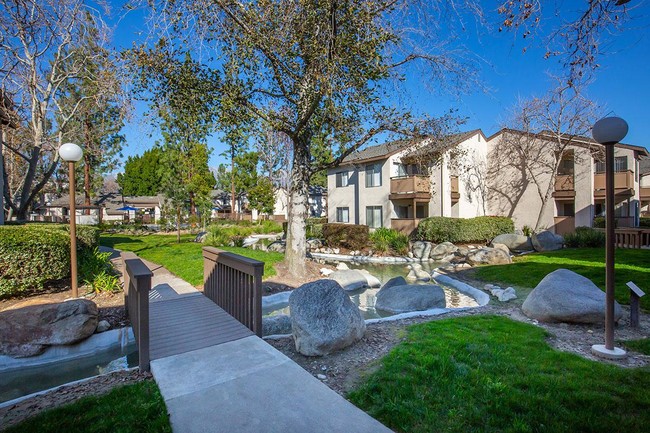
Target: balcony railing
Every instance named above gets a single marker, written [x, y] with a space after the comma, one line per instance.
[622, 180]
[455, 193]
[405, 225]
[644, 193]
[410, 184]
[564, 182]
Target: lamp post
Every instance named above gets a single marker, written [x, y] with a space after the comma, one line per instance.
[609, 131]
[72, 153]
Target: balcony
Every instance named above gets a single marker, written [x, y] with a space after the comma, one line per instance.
[410, 187]
[564, 187]
[405, 225]
[623, 184]
[455, 193]
[644, 193]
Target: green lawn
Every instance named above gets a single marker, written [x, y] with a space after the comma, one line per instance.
[185, 259]
[133, 408]
[528, 270]
[492, 374]
[641, 346]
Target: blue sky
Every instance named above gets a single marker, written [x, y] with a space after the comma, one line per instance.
[622, 83]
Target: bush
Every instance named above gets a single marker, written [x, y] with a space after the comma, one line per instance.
[95, 270]
[314, 227]
[31, 255]
[219, 235]
[351, 236]
[585, 237]
[463, 230]
[644, 222]
[389, 240]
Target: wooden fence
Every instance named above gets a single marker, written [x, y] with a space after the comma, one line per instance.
[234, 283]
[632, 238]
[137, 284]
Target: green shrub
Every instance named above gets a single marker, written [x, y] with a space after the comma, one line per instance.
[463, 230]
[585, 237]
[389, 240]
[31, 255]
[644, 222]
[220, 235]
[95, 270]
[267, 226]
[354, 237]
[314, 227]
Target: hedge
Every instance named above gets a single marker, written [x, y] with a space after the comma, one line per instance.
[33, 254]
[351, 236]
[585, 237]
[463, 230]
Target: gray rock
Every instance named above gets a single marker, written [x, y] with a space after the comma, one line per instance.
[564, 296]
[103, 326]
[273, 325]
[27, 331]
[417, 273]
[350, 279]
[342, 266]
[442, 250]
[201, 237]
[371, 280]
[250, 241]
[502, 247]
[323, 318]
[507, 295]
[547, 241]
[488, 256]
[314, 244]
[277, 246]
[514, 242]
[395, 281]
[410, 297]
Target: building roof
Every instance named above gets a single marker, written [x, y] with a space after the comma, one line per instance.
[384, 150]
[644, 166]
[111, 202]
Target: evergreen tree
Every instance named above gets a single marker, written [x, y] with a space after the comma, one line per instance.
[142, 174]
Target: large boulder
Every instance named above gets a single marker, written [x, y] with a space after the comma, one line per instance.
[277, 246]
[410, 297]
[395, 281]
[350, 279]
[421, 250]
[27, 331]
[514, 242]
[488, 256]
[323, 318]
[564, 296]
[273, 325]
[417, 273]
[547, 241]
[442, 250]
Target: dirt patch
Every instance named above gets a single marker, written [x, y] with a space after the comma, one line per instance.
[68, 394]
[283, 281]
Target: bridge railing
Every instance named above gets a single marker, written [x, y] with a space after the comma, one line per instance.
[137, 284]
[234, 283]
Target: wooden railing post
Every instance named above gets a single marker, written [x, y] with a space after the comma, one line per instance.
[137, 284]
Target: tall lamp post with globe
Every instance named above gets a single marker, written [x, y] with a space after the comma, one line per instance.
[72, 153]
[608, 131]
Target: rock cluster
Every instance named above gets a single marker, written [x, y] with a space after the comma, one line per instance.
[503, 295]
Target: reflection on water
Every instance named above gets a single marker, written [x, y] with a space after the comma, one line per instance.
[365, 298]
[33, 379]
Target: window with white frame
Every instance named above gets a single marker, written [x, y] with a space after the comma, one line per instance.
[342, 179]
[374, 217]
[342, 214]
[373, 175]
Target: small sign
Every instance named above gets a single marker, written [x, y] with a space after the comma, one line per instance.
[635, 289]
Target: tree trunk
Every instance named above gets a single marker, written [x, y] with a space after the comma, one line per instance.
[192, 204]
[232, 181]
[87, 127]
[178, 224]
[296, 251]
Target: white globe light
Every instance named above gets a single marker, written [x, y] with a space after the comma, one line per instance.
[70, 152]
[609, 130]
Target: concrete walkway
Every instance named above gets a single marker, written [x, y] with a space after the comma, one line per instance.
[246, 385]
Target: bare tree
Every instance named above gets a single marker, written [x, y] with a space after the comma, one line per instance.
[38, 56]
[541, 134]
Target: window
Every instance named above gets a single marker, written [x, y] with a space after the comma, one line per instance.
[566, 164]
[620, 164]
[373, 175]
[342, 214]
[373, 217]
[402, 170]
[342, 179]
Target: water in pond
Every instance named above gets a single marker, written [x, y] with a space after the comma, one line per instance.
[17, 383]
[365, 298]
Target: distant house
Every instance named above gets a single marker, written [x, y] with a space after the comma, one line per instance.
[105, 208]
[317, 202]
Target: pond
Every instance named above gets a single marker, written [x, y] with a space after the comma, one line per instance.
[365, 298]
[28, 375]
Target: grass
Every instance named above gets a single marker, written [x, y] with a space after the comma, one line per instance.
[132, 408]
[185, 259]
[528, 270]
[641, 346]
[492, 374]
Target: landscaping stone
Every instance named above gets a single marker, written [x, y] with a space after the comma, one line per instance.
[274, 325]
[504, 295]
[371, 280]
[488, 256]
[201, 237]
[514, 242]
[323, 318]
[314, 244]
[442, 250]
[103, 326]
[342, 266]
[417, 273]
[277, 246]
[29, 330]
[326, 272]
[410, 297]
[502, 247]
[395, 281]
[547, 241]
[250, 241]
[421, 250]
[564, 296]
[350, 279]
